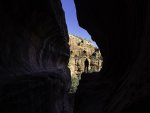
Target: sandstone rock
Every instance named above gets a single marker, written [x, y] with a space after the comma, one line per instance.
[80, 49]
[33, 41]
[121, 28]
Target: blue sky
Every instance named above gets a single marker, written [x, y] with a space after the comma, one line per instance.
[71, 19]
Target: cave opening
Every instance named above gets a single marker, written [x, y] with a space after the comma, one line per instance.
[82, 47]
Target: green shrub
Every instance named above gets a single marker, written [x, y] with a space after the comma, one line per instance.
[74, 85]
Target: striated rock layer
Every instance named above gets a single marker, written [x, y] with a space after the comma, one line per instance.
[34, 56]
[121, 29]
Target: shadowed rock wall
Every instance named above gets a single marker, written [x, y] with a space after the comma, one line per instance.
[33, 50]
[121, 29]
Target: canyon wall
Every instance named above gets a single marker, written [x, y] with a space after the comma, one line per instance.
[121, 30]
[34, 56]
[80, 50]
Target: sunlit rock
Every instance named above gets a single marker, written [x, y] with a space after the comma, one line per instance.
[80, 49]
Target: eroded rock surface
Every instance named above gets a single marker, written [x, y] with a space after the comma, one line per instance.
[80, 49]
[34, 56]
[121, 29]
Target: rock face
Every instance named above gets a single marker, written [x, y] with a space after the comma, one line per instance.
[34, 56]
[121, 29]
[80, 49]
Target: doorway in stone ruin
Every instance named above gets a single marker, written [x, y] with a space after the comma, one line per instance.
[82, 47]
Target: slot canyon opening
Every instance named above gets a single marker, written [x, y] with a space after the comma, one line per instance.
[85, 56]
[34, 56]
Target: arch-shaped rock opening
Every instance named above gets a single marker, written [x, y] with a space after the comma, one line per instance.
[34, 56]
[83, 48]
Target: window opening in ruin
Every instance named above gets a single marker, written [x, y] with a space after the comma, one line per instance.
[82, 47]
